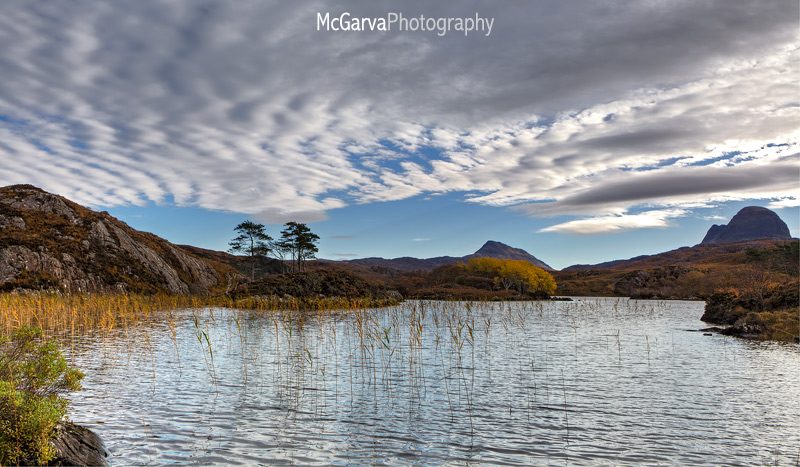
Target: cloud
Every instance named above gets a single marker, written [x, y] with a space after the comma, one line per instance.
[670, 186]
[589, 109]
[278, 216]
[421, 239]
[343, 237]
[610, 224]
[785, 203]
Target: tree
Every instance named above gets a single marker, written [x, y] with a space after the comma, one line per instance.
[519, 274]
[298, 240]
[252, 241]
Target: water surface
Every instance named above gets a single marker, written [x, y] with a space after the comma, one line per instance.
[590, 382]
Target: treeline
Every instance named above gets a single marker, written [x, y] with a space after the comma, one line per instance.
[480, 278]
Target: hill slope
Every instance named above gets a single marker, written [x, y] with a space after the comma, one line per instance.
[264, 266]
[751, 226]
[688, 272]
[47, 241]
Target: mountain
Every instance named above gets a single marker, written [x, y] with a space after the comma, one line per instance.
[47, 241]
[751, 223]
[756, 239]
[490, 249]
[604, 265]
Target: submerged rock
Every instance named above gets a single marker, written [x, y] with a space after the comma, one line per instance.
[750, 326]
[76, 445]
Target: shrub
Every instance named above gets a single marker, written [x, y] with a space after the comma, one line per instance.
[314, 284]
[33, 377]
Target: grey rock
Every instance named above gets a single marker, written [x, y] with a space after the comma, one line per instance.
[13, 222]
[35, 200]
[77, 445]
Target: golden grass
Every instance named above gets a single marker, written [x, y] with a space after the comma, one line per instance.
[65, 312]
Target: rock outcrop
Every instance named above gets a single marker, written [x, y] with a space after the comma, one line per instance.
[47, 241]
[751, 223]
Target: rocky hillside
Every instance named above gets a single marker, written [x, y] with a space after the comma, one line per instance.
[490, 249]
[47, 241]
[751, 223]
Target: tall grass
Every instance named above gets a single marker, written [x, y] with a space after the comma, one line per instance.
[73, 312]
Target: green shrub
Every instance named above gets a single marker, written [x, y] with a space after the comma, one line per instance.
[33, 377]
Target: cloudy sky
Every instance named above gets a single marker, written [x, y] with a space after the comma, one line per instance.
[579, 131]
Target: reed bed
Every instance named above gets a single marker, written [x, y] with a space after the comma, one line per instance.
[64, 312]
[73, 312]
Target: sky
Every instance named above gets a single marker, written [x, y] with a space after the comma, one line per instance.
[581, 132]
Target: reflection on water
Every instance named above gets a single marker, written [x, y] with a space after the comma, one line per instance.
[590, 382]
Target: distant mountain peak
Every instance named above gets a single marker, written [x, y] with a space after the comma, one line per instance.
[750, 223]
[490, 249]
[493, 249]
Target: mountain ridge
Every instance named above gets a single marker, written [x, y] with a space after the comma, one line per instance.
[491, 249]
[749, 227]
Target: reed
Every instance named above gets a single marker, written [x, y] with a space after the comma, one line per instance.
[76, 312]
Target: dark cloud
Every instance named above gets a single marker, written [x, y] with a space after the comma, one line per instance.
[688, 181]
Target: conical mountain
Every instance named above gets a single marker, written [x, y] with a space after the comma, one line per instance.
[751, 223]
[492, 249]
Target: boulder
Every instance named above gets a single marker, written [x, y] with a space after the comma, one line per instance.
[721, 308]
[77, 445]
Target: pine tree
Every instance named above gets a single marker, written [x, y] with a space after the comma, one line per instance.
[252, 241]
[300, 242]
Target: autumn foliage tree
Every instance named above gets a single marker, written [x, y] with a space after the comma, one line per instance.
[519, 275]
